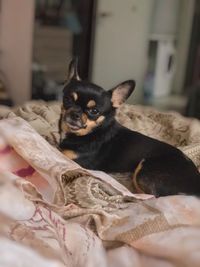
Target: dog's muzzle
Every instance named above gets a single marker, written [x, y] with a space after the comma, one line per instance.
[74, 120]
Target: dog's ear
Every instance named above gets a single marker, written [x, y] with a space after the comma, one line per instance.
[121, 92]
[73, 70]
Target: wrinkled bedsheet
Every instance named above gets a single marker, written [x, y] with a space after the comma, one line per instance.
[55, 213]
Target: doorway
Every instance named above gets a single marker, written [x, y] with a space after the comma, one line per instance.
[62, 30]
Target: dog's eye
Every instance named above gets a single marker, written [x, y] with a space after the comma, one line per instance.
[93, 111]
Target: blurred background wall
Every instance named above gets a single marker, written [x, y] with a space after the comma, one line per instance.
[155, 42]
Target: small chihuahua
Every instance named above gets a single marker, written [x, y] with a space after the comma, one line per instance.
[92, 137]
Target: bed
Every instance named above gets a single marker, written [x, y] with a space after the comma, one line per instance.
[55, 213]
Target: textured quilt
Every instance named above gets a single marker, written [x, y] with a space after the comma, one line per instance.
[55, 213]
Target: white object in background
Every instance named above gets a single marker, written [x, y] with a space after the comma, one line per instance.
[165, 68]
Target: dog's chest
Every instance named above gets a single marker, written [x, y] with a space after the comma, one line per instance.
[89, 157]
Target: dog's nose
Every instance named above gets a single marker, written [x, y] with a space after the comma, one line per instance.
[75, 116]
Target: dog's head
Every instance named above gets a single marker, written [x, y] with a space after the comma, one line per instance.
[86, 106]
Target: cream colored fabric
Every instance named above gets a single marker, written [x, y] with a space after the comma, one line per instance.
[63, 215]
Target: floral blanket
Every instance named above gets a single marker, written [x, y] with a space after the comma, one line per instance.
[55, 213]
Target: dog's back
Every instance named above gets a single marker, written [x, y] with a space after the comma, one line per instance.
[91, 136]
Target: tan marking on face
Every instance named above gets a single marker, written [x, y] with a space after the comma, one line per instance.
[75, 96]
[91, 104]
[84, 118]
[64, 127]
[70, 154]
[90, 126]
[135, 174]
[100, 119]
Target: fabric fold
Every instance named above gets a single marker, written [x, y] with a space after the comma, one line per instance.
[76, 217]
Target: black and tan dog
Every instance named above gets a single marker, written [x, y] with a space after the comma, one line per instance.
[92, 137]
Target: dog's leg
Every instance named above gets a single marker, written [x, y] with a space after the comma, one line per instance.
[162, 176]
[135, 174]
